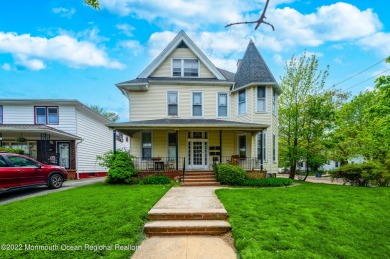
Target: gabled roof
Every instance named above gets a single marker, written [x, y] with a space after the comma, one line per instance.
[178, 40]
[253, 69]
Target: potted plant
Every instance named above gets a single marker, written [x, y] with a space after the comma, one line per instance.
[21, 140]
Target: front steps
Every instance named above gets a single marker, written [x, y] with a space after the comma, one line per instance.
[200, 178]
[188, 211]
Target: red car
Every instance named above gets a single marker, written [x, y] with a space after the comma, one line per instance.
[19, 172]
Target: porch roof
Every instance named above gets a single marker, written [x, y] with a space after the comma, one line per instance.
[32, 131]
[132, 127]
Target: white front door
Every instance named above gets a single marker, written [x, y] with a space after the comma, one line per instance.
[197, 150]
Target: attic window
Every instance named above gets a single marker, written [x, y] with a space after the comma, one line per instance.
[182, 45]
[185, 68]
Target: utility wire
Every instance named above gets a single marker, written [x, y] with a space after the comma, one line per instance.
[367, 79]
[358, 73]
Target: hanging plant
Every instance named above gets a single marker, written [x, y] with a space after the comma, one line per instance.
[21, 139]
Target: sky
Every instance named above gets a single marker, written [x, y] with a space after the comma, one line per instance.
[63, 49]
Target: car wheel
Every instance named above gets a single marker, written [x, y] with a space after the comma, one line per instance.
[55, 181]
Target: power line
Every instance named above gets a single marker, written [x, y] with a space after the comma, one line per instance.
[367, 79]
[358, 73]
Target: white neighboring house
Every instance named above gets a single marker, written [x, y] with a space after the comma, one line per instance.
[63, 132]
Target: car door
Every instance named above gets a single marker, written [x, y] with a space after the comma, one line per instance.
[9, 176]
[30, 171]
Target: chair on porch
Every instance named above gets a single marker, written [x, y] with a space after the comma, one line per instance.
[234, 160]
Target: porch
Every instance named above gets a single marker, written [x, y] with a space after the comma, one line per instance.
[194, 144]
[46, 144]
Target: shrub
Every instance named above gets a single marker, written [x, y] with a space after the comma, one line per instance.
[121, 169]
[153, 179]
[108, 158]
[12, 150]
[364, 174]
[271, 182]
[230, 174]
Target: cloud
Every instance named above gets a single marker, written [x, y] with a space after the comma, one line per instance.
[181, 13]
[126, 29]
[329, 23]
[379, 42]
[6, 67]
[64, 12]
[31, 52]
[133, 45]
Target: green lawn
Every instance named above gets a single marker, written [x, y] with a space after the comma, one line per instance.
[309, 221]
[94, 215]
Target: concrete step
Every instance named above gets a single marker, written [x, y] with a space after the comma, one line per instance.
[191, 173]
[201, 183]
[187, 214]
[199, 176]
[186, 227]
[186, 180]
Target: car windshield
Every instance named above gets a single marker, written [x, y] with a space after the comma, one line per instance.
[18, 161]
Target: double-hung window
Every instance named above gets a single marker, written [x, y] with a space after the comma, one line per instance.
[197, 103]
[46, 115]
[172, 146]
[185, 68]
[242, 145]
[146, 139]
[262, 146]
[222, 105]
[172, 103]
[1, 114]
[261, 100]
[241, 102]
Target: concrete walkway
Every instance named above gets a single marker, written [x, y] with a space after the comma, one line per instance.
[313, 179]
[187, 208]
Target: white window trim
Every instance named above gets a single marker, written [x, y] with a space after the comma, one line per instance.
[274, 148]
[257, 98]
[151, 138]
[274, 112]
[177, 144]
[178, 102]
[182, 68]
[192, 98]
[238, 103]
[265, 136]
[227, 105]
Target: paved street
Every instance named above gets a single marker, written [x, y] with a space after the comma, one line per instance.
[37, 191]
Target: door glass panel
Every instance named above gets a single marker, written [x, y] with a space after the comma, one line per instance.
[63, 150]
[197, 152]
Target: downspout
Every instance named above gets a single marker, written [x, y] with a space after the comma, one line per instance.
[77, 158]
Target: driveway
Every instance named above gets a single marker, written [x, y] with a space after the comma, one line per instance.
[37, 191]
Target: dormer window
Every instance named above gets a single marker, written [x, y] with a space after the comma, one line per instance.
[185, 68]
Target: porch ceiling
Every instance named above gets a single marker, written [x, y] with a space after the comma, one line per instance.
[32, 132]
[130, 128]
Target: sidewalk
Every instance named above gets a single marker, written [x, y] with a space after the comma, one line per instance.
[193, 210]
[313, 179]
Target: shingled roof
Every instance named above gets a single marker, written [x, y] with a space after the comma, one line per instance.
[252, 68]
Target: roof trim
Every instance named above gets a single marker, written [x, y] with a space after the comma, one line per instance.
[181, 36]
[276, 86]
[36, 128]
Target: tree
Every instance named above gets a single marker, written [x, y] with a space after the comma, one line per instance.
[258, 21]
[94, 3]
[302, 117]
[112, 116]
[362, 128]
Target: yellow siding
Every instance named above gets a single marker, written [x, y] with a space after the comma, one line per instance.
[164, 70]
[153, 103]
